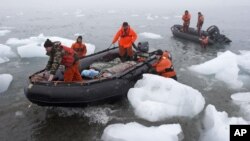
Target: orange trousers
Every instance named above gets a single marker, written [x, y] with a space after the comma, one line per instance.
[72, 73]
[123, 51]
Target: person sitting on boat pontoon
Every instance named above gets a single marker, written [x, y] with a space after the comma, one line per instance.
[186, 21]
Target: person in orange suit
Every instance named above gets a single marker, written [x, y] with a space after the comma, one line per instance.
[164, 66]
[200, 22]
[204, 41]
[79, 47]
[186, 21]
[62, 55]
[126, 36]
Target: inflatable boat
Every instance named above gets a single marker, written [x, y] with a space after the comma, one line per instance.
[192, 35]
[102, 88]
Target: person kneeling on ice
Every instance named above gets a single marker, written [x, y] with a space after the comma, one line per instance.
[62, 55]
[204, 41]
[164, 66]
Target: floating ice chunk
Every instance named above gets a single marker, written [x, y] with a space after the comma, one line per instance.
[5, 82]
[149, 17]
[4, 59]
[243, 60]
[4, 32]
[224, 67]
[155, 98]
[31, 50]
[137, 132]
[241, 97]
[150, 35]
[216, 125]
[5, 53]
[165, 18]
[134, 15]
[178, 16]
[80, 15]
[243, 100]
[33, 46]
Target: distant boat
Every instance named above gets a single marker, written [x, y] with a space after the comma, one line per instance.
[74, 94]
[192, 35]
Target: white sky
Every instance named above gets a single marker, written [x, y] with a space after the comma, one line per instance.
[120, 3]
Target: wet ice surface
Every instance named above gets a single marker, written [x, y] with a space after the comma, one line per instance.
[225, 65]
[156, 98]
[243, 100]
[216, 124]
[5, 82]
[5, 53]
[134, 131]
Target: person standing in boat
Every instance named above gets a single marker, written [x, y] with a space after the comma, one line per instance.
[164, 65]
[186, 21]
[79, 47]
[62, 55]
[200, 22]
[126, 36]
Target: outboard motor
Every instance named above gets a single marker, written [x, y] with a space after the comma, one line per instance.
[143, 46]
[214, 34]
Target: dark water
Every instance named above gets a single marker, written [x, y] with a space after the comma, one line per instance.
[20, 120]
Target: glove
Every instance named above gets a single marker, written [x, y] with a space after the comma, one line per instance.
[51, 76]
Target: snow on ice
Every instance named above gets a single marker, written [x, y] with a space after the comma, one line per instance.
[155, 98]
[33, 46]
[150, 35]
[5, 82]
[216, 125]
[136, 132]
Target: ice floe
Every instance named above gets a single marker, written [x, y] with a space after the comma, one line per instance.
[5, 82]
[156, 98]
[225, 67]
[216, 125]
[33, 46]
[5, 53]
[4, 32]
[136, 132]
[243, 100]
[150, 35]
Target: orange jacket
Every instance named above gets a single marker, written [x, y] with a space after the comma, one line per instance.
[68, 58]
[80, 49]
[164, 67]
[186, 18]
[125, 38]
[200, 19]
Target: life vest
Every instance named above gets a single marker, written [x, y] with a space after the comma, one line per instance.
[68, 58]
[165, 68]
[126, 38]
[186, 18]
[79, 48]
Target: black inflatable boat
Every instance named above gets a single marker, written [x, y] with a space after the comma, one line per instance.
[59, 93]
[213, 32]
